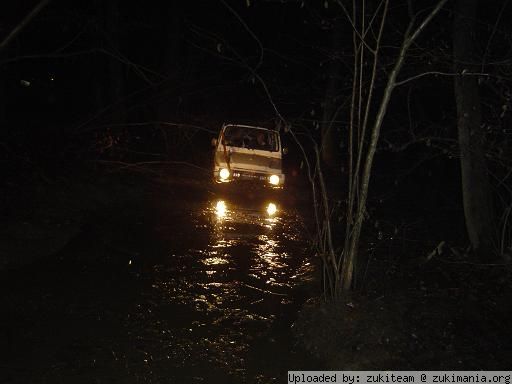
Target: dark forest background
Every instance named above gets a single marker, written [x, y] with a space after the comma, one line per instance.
[101, 98]
[92, 83]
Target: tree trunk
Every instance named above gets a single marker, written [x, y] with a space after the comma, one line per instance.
[167, 107]
[116, 69]
[99, 66]
[476, 193]
[352, 246]
[3, 100]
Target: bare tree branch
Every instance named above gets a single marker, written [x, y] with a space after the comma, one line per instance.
[244, 24]
[493, 33]
[31, 15]
[438, 73]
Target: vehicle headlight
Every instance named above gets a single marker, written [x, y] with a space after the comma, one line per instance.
[274, 180]
[224, 174]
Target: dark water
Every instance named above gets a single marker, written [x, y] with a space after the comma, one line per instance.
[171, 288]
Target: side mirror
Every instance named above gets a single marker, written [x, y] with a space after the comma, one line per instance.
[214, 142]
[285, 151]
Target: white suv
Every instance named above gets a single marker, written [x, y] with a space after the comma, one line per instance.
[244, 152]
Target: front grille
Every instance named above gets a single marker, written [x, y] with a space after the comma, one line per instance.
[249, 176]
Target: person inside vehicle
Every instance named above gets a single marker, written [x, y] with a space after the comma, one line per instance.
[261, 140]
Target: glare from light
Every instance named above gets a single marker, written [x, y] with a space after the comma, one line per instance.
[274, 180]
[220, 208]
[271, 209]
[214, 261]
[224, 174]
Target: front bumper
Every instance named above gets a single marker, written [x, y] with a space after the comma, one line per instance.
[243, 176]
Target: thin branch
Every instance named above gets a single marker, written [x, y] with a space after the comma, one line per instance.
[79, 128]
[47, 56]
[493, 33]
[354, 28]
[142, 165]
[31, 15]
[244, 24]
[425, 22]
[153, 123]
[438, 73]
[410, 9]
[138, 68]
[371, 87]
[504, 229]
[373, 18]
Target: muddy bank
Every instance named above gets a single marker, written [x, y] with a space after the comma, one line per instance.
[445, 315]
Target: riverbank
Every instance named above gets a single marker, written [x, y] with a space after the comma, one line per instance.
[445, 313]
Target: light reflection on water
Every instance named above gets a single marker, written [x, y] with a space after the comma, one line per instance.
[220, 209]
[214, 261]
[262, 250]
[227, 290]
[253, 242]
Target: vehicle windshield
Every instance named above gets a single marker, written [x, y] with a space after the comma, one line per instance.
[251, 138]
